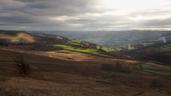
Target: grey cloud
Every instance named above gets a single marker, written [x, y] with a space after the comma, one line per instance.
[34, 15]
[59, 7]
[158, 23]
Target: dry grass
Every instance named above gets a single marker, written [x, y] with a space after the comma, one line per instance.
[60, 77]
[20, 37]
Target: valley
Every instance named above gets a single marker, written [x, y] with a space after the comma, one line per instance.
[58, 66]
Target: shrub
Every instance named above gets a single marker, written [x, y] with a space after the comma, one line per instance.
[58, 48]
[155, 83]
[138, 67]
[122, 68]
[107, 67]
[23, 67]
[118, 67]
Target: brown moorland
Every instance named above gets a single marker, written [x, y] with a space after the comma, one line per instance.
[65, 73]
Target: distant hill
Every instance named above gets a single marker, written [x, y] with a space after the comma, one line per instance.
[27, 40]
[44, 42]
[16, 37]
[117, 38]
[142, 45]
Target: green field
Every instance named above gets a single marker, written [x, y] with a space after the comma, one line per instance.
[156, 69]
[71, 48]
[166, 48]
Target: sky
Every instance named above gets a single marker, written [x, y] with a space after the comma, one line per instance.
[85, 15]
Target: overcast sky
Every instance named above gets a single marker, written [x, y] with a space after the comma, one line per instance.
[85, 14]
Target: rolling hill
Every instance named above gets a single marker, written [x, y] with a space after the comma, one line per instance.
[69, 73]
[116, 38]
[35, 69]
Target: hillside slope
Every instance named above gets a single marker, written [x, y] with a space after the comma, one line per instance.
[61, 74]
[52, 65]
[158, 52]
